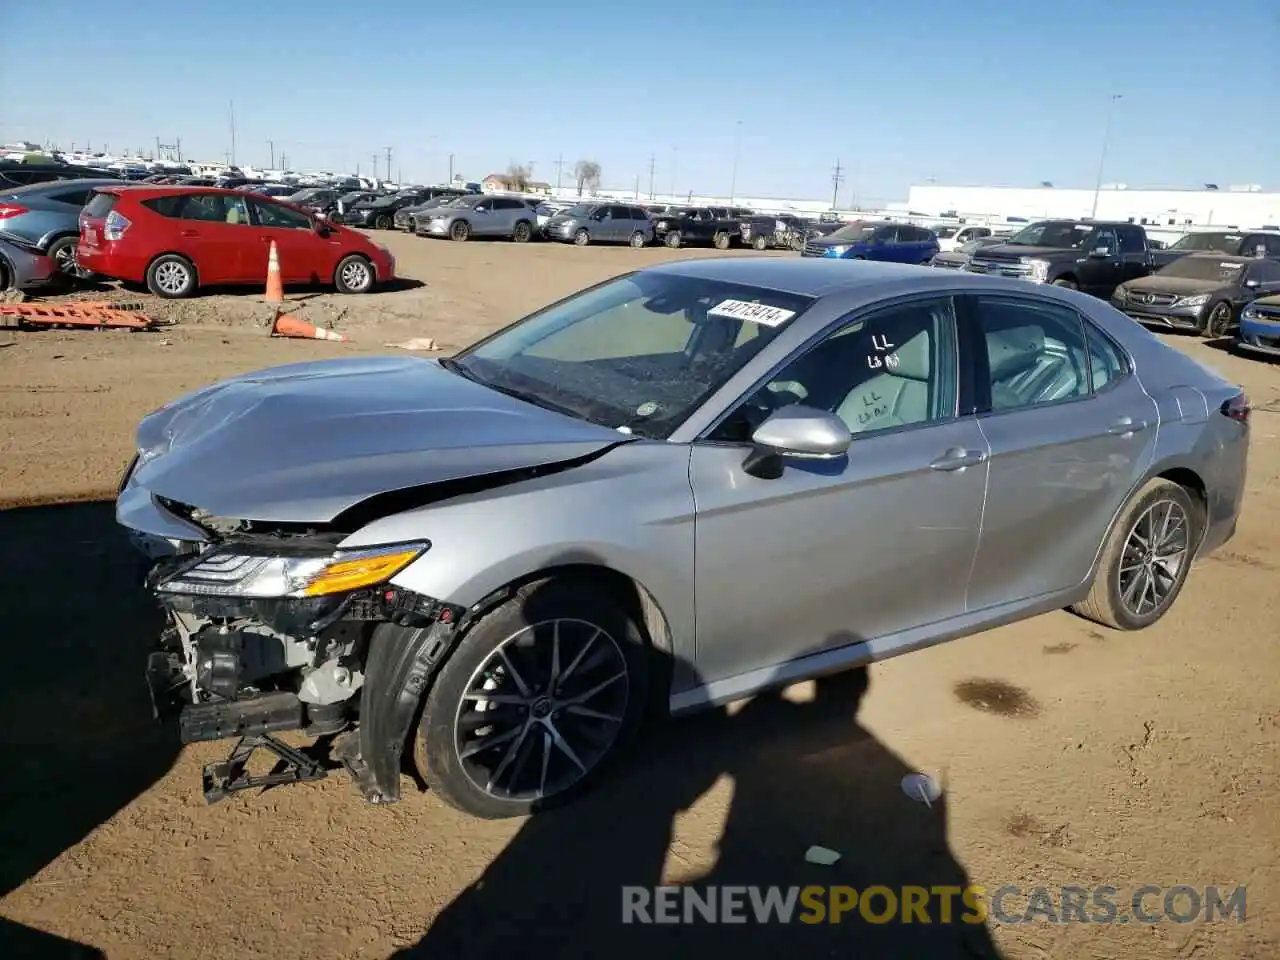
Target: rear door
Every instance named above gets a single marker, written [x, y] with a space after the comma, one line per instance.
[217, 233]
[1133, 253]
[1070, 431]
[305, 256]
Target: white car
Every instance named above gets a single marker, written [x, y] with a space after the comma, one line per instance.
[956, 235]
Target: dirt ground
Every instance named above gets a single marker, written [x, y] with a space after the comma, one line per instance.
[1071, 755]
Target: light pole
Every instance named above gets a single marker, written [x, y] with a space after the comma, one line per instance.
[737, 149]
[1102, 161]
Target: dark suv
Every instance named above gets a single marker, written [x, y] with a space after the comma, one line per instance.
[25, 174]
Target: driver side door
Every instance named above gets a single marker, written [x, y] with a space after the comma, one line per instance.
[861, 550]
[1101, 272]
[305, 256]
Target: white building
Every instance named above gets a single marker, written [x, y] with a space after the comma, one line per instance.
[1235, 207]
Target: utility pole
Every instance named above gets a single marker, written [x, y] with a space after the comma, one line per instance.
[737, 149]
[232, 114]
[284, 161]
[451, 168]
[637, 186]
[1102, 161]
[271, 145]
[675, 152]
[178, 140]
[375, 165]
[559, 171]
[388, 163]
[652, 161]
[837, 178]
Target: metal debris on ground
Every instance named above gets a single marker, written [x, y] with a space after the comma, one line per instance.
[821, 856]
[921, 788]
[25, 315]
[417, 343]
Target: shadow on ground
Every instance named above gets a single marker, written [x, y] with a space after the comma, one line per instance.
[803, 773]
[75, 719]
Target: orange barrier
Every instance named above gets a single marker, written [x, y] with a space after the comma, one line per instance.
[78, 315]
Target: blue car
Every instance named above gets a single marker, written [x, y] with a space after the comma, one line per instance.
[861, 240]
[1260, 327]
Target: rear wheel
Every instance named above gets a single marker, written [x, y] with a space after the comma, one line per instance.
[1218, 322]
[721, 240]
[1146, 558]
[760, 242]
[354, 274]
[522, 232]
[171, 277]
[461, 230]
[539, 697]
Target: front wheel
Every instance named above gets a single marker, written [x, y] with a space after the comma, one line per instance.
[461, 230]
[353, 275]
[539, 697]
[383, 222]
[1146, 558]
[1066, 284]
[673, 240]
[63, 254]
[582, 238]
[1218, 321]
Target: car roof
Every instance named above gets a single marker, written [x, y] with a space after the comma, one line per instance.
[163, 189]
[811, 277]
[53, 186]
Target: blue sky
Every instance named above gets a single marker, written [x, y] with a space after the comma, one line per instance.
[898, 92]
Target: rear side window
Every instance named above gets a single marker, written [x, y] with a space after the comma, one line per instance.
[77, 198]
[100, 204]
[1107, 362]
[165, 206]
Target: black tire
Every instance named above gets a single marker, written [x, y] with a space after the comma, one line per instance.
[582, 609]
[721, 240]
[760, 242]
[1217, 321]
[354, 274]
[63, 253]
[6, 275]
[383, 222]
[172, 277]
[638, 240]
[1106, 603]
[522, 232]
[673, 239]
[1066, 284]
[460, 231]
[582, 237]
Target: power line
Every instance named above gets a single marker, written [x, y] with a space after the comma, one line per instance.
[837, 178]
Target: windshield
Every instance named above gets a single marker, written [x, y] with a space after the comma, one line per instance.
[638, 353]
[853, 232]
[946, 233]
[302, 195]
[1219, 242]
[1205, 268]
[579, 210]
[1061, 234]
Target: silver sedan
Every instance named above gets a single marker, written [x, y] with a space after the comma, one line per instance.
[670, 491]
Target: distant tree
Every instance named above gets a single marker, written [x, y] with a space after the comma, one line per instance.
[518, 177]
[587, 173]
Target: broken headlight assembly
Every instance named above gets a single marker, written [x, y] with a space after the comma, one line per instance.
[239, 572]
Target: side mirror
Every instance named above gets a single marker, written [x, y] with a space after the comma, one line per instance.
[799, 432]
[1100, 252]
[1252, 284]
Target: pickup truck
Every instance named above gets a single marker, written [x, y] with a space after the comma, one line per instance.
[719, 226]
[1094, 256]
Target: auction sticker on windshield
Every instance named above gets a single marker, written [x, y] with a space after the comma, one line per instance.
[760, 313]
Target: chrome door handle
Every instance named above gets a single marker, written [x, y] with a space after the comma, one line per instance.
[958, 458]
[1126, 426]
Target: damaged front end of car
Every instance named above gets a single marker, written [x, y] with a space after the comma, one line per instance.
[273, 629]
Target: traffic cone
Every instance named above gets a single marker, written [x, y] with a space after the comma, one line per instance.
[285, 325]
[275, 288]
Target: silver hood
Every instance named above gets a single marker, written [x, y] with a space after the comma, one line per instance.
[305, 442]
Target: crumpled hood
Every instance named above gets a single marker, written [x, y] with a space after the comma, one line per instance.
[304, 442]
[1016, 251]
[1178, 286]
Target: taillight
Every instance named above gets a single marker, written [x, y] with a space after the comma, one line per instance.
[8, 210]
[1237, 408]
[115, 226]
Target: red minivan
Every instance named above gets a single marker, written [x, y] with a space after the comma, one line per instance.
[178, 239]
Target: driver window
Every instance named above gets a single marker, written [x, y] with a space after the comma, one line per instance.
[1105, 238]
[273, 215]
[892, 368]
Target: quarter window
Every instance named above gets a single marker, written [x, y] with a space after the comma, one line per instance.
[1036, 352]
[1106, 362]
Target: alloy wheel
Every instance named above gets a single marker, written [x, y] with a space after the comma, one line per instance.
[355, 275]
[542, 710]
[172, 277]
[65, 260]
[1151, 564]
[1219, 320]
